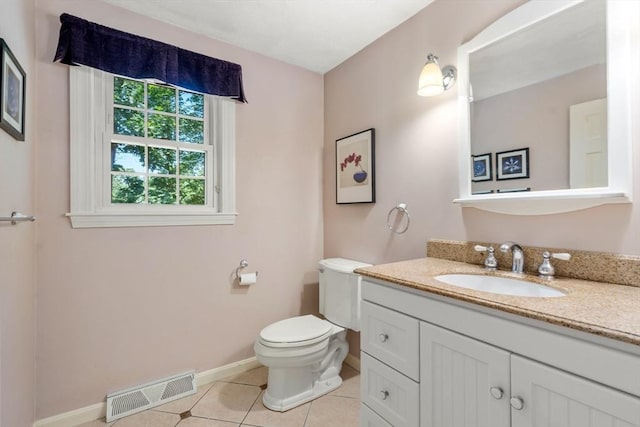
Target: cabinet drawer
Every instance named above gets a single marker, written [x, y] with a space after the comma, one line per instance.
[392, 338]
[389, 393]
[368, 418]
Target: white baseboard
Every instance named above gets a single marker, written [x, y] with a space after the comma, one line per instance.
[352, 361]
[235, 368]
[75, 417]
[99, 410]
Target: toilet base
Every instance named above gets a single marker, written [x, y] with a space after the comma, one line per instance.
[288, 387]
[320, 388]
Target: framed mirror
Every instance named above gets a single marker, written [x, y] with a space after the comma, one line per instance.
[546, 98]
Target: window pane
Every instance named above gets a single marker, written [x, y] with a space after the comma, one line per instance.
[191, 104]
[128, 122]
[192, 191]
[127, 158]
[192, 163]
[127, 189]
[162, 160]
[192, 131]
[128, 92]
[162, 190]
[162, 98]
[162, 127]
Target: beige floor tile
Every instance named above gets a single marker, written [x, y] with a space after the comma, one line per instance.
[257, 376]
[226, 401]
[263, 417]
[204, 422]
[334, 411]
[186, 403]
[148, 419]
[350, 383]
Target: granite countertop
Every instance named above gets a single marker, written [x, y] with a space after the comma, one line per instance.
[599, 308]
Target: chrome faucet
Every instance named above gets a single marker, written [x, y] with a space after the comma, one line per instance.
[517, 263]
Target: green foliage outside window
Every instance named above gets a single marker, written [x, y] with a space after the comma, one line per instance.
[146, 174]
[192, 192]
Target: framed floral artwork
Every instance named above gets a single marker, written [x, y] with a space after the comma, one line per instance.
[12, 93]
[513, 164]
[481, 167]
[355, 167]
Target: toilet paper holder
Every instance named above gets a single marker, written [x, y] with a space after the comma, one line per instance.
[243, 264]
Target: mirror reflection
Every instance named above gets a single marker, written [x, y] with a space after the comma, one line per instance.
[538, 105]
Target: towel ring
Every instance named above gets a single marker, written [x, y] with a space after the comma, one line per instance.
[402, 207]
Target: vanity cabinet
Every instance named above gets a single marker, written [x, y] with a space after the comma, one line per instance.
[432, 361]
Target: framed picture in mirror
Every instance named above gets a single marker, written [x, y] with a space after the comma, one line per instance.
[482, 170]
[513, 164]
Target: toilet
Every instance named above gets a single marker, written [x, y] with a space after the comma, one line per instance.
[304, 354]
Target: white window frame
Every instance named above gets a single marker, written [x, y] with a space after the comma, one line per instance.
[90, 177]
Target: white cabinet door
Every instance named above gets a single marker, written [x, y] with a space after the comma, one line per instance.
[463, 382]
[554, 398]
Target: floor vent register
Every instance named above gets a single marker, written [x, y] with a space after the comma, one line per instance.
[145, 396]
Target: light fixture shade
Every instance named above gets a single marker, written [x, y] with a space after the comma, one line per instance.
[430, 82]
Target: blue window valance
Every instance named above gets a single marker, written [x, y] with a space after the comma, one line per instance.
[86, 43]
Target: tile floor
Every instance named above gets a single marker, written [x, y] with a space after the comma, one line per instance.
[237, 401]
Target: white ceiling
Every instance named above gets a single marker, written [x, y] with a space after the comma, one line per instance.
[313, 34]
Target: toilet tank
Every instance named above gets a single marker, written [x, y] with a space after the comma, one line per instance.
[340, 291]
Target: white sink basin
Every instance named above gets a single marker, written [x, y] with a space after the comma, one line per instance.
[499, 285]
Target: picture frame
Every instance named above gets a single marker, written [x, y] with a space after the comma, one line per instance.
[481, 167]
[481, 192]
[12, 93]
[514, 190]
[512, 164]
[355, 168]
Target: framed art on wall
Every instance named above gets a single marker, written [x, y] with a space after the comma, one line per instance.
[12, 93]
[355, 166]
[513, 164]
[482, 168]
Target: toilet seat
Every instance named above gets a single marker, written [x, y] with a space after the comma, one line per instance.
[296, 332]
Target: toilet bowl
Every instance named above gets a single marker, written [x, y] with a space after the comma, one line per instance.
[304, 360]
[304, 354]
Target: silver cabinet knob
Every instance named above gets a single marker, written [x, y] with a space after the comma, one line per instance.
[496, 392]
[516, 403]
[384, 394]
[383, 337]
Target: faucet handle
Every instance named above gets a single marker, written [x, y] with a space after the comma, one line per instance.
[546, 270]
[561, 255]
[490, 263]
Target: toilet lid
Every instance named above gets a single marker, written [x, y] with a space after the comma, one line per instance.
[296, 329]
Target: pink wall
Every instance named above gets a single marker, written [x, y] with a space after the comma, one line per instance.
[417, 149]
[533, 117]
[117, 307]
[17, 243]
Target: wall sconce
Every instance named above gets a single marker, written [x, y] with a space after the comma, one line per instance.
[434, 80]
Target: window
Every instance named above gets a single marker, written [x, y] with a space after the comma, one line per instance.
[144, 153]
[157, 149]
